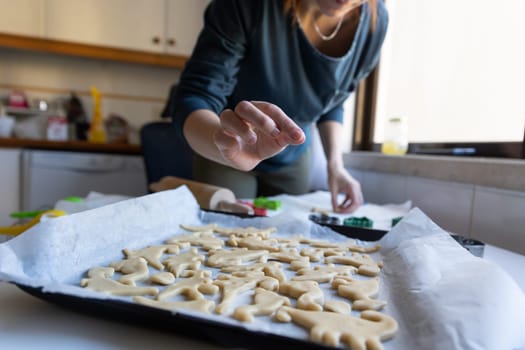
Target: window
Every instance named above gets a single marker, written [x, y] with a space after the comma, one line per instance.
[456, 71]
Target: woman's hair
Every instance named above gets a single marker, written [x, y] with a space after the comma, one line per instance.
[290, 6]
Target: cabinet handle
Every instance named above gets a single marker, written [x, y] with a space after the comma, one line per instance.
[155, 40]
[171, 42]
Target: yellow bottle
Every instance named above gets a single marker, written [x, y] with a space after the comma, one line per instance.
[97, 133]
[396, 137]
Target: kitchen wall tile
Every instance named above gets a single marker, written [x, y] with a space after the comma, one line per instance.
[382, 188]
[498, 218]
[448, 204]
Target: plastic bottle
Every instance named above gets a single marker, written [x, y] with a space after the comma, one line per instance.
[97, 133]
[396, 137]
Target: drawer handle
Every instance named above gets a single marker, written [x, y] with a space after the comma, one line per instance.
[155, 40]
[172, 42]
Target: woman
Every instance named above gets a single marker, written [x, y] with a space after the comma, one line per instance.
[261, 74]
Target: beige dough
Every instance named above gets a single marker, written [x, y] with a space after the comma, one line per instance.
[133, 270]
[365, 264]
[192, 288]
[270, 268]
[341, 307]
[163, 278]
[254, 243]
[323, 274]
[223, 258]
[360, 292]
[287, 255]
[365, 333]
[265, 303]
[209, 227]
[233, 285]
[297, 265]
[152, 254]
[246, 232]
[190, 260]
[308, 294]
[99, 280]
[201, 305]
[204, 239]
[291, 242]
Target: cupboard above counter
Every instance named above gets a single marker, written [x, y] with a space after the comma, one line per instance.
[158, 32]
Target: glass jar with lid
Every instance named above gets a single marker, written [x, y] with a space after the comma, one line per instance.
[395, 137]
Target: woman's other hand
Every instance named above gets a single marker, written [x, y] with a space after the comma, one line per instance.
[254, 131]
[340, 181]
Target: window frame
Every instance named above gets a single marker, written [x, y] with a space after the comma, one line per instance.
[364, 126]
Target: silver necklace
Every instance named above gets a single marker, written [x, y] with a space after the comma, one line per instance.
[333, 34]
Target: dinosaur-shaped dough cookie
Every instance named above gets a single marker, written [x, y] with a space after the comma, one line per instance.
[233, 285]
[181, 263]
[365, 264]
[152, 254]
[204, 239]
[365, 333]
[309, 295]
[133, 270]
[192, 287]
[201, 305]
[99, 280]
[265, 302]
[360, 292]
[323, 274]
[254, 243]
[223, 258]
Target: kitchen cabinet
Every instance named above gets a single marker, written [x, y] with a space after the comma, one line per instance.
[183, 25]
[160, 26]
[9, 184]
[24, 17]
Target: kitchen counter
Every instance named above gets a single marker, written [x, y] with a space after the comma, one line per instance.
[81, 146]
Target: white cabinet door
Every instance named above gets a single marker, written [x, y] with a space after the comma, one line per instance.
[184, 22]
[9, 184]
[22, 17]
[128, 24]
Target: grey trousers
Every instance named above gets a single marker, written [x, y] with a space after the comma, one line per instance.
[290, 179]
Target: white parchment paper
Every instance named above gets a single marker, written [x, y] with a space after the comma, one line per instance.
[441, 295]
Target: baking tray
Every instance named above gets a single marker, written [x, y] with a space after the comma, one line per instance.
[203, 329]
[217, 333]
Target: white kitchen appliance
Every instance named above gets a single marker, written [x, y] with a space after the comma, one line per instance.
[48, 176]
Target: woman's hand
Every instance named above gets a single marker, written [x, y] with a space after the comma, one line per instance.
[254, 131]
[340, 181]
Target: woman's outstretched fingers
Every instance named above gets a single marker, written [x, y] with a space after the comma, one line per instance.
[285, 127]
[233, 125]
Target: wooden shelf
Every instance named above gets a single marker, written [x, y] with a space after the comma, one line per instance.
[91, 51]
[79, 146]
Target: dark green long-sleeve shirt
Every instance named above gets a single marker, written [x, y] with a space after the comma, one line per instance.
[249, 50]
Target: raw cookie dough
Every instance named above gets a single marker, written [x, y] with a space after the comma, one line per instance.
[163, 278]
[223, 258]
[152, 254]
[365, 264]
[99, 280]
[133, 270]
[201, 305]
[308, 294]
[323, 274]
[338, 306]
[265, 302]
[254, 243]
[233, 285]
[270, 268]
[204, 239]
[183, 262]
[193, 287]
[262, 233]
[330, 328]
[360, 292]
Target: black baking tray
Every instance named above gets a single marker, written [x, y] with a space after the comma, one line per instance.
[217, 333]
